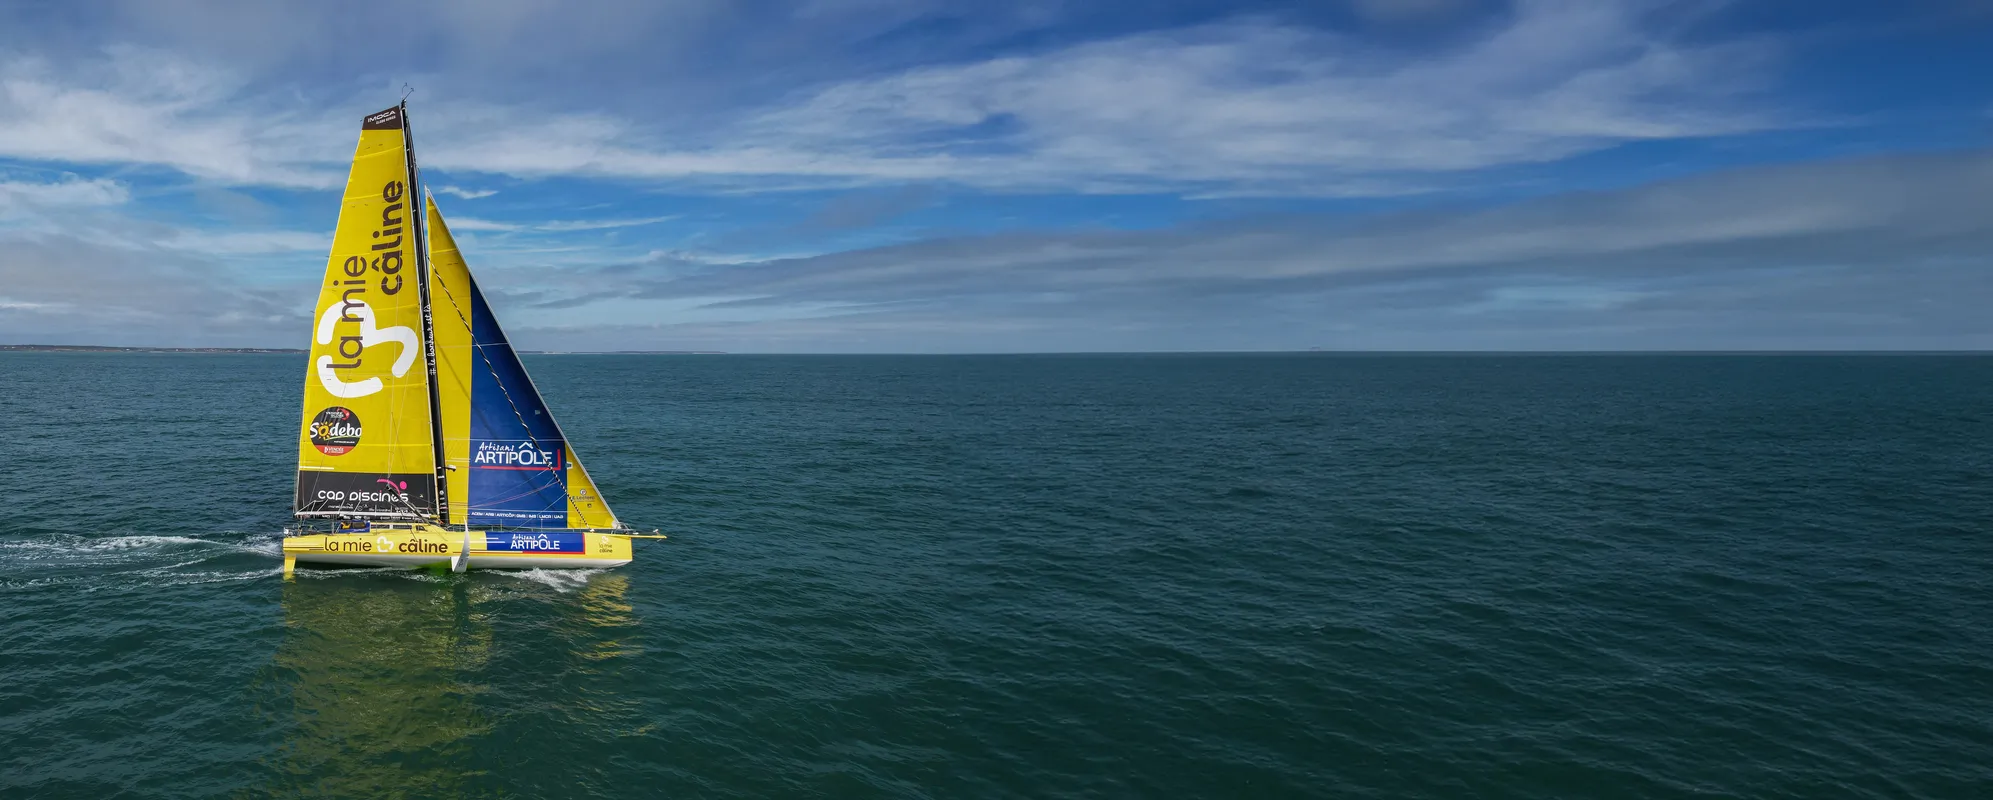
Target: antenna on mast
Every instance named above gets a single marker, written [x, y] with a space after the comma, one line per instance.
[406, 90]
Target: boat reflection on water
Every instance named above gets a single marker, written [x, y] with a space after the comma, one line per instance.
[383, 686]
[377, 685]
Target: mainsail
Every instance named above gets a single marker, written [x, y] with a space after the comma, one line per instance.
[366, 445]
[508, 464]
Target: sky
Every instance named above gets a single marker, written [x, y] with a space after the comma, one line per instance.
[913, 176]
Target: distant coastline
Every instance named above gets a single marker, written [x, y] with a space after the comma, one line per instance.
[91, 348]
[623, 352]
[1313, 351]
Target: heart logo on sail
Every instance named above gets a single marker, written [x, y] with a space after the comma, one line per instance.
[369, 336]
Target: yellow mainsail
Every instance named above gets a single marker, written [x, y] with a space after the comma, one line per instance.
[365, 444]
[508, 462]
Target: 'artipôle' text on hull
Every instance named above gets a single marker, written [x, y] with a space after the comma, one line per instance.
[423, 442]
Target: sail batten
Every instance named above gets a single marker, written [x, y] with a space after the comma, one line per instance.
[365, 443]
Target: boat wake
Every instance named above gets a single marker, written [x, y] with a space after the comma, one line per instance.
[74, 548]
[403, 573]
[93, 562]
[560, 580]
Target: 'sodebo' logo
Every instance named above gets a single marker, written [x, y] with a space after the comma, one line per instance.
[335, 431]
[369, 336]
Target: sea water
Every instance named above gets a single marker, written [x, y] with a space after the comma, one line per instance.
[1040, 576]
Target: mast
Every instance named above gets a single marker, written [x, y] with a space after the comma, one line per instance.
[417, 193]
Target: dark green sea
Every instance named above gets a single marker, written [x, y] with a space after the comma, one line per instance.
[1040, 576]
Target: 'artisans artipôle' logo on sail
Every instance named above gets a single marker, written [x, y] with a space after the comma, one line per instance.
[519, 455]
[335, 431]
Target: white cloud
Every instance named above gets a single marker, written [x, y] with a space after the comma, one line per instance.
[1886, 251]
[1240, 108]
[1259, 103]
[601, 224]
[1562, 253]
[475, 224]
[69, 192]
[235, 243]
[467, 194]
[98, 211]
[138, 107]
[567, 226]
[141, 294]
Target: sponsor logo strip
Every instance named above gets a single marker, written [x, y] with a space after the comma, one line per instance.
[551, 543]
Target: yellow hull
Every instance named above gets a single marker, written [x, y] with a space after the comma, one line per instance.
[421, 545]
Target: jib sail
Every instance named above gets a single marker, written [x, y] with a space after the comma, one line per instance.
[365, 443]
[509, 463]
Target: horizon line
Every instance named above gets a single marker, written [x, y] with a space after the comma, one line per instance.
[250, 350]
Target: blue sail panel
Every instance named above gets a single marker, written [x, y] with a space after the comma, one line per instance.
[518, 459]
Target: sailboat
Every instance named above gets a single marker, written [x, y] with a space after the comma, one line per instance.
[423, 442]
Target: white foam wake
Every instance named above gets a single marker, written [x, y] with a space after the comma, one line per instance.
[104, 561]
[560, 580]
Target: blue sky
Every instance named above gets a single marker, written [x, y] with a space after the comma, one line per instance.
[910, 176]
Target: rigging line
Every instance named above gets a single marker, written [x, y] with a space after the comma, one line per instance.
[567, 454]
[533, 492]
[492, 369]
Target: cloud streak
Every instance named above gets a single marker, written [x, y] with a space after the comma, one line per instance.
[467, 194]
[62, 288]
[144, 108]
[69, 192]
[1882, 251]
[1810, 240]
[1025, 177]
[562, 226]
[1240, 107]
[1253, 104]
[1879, 206]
